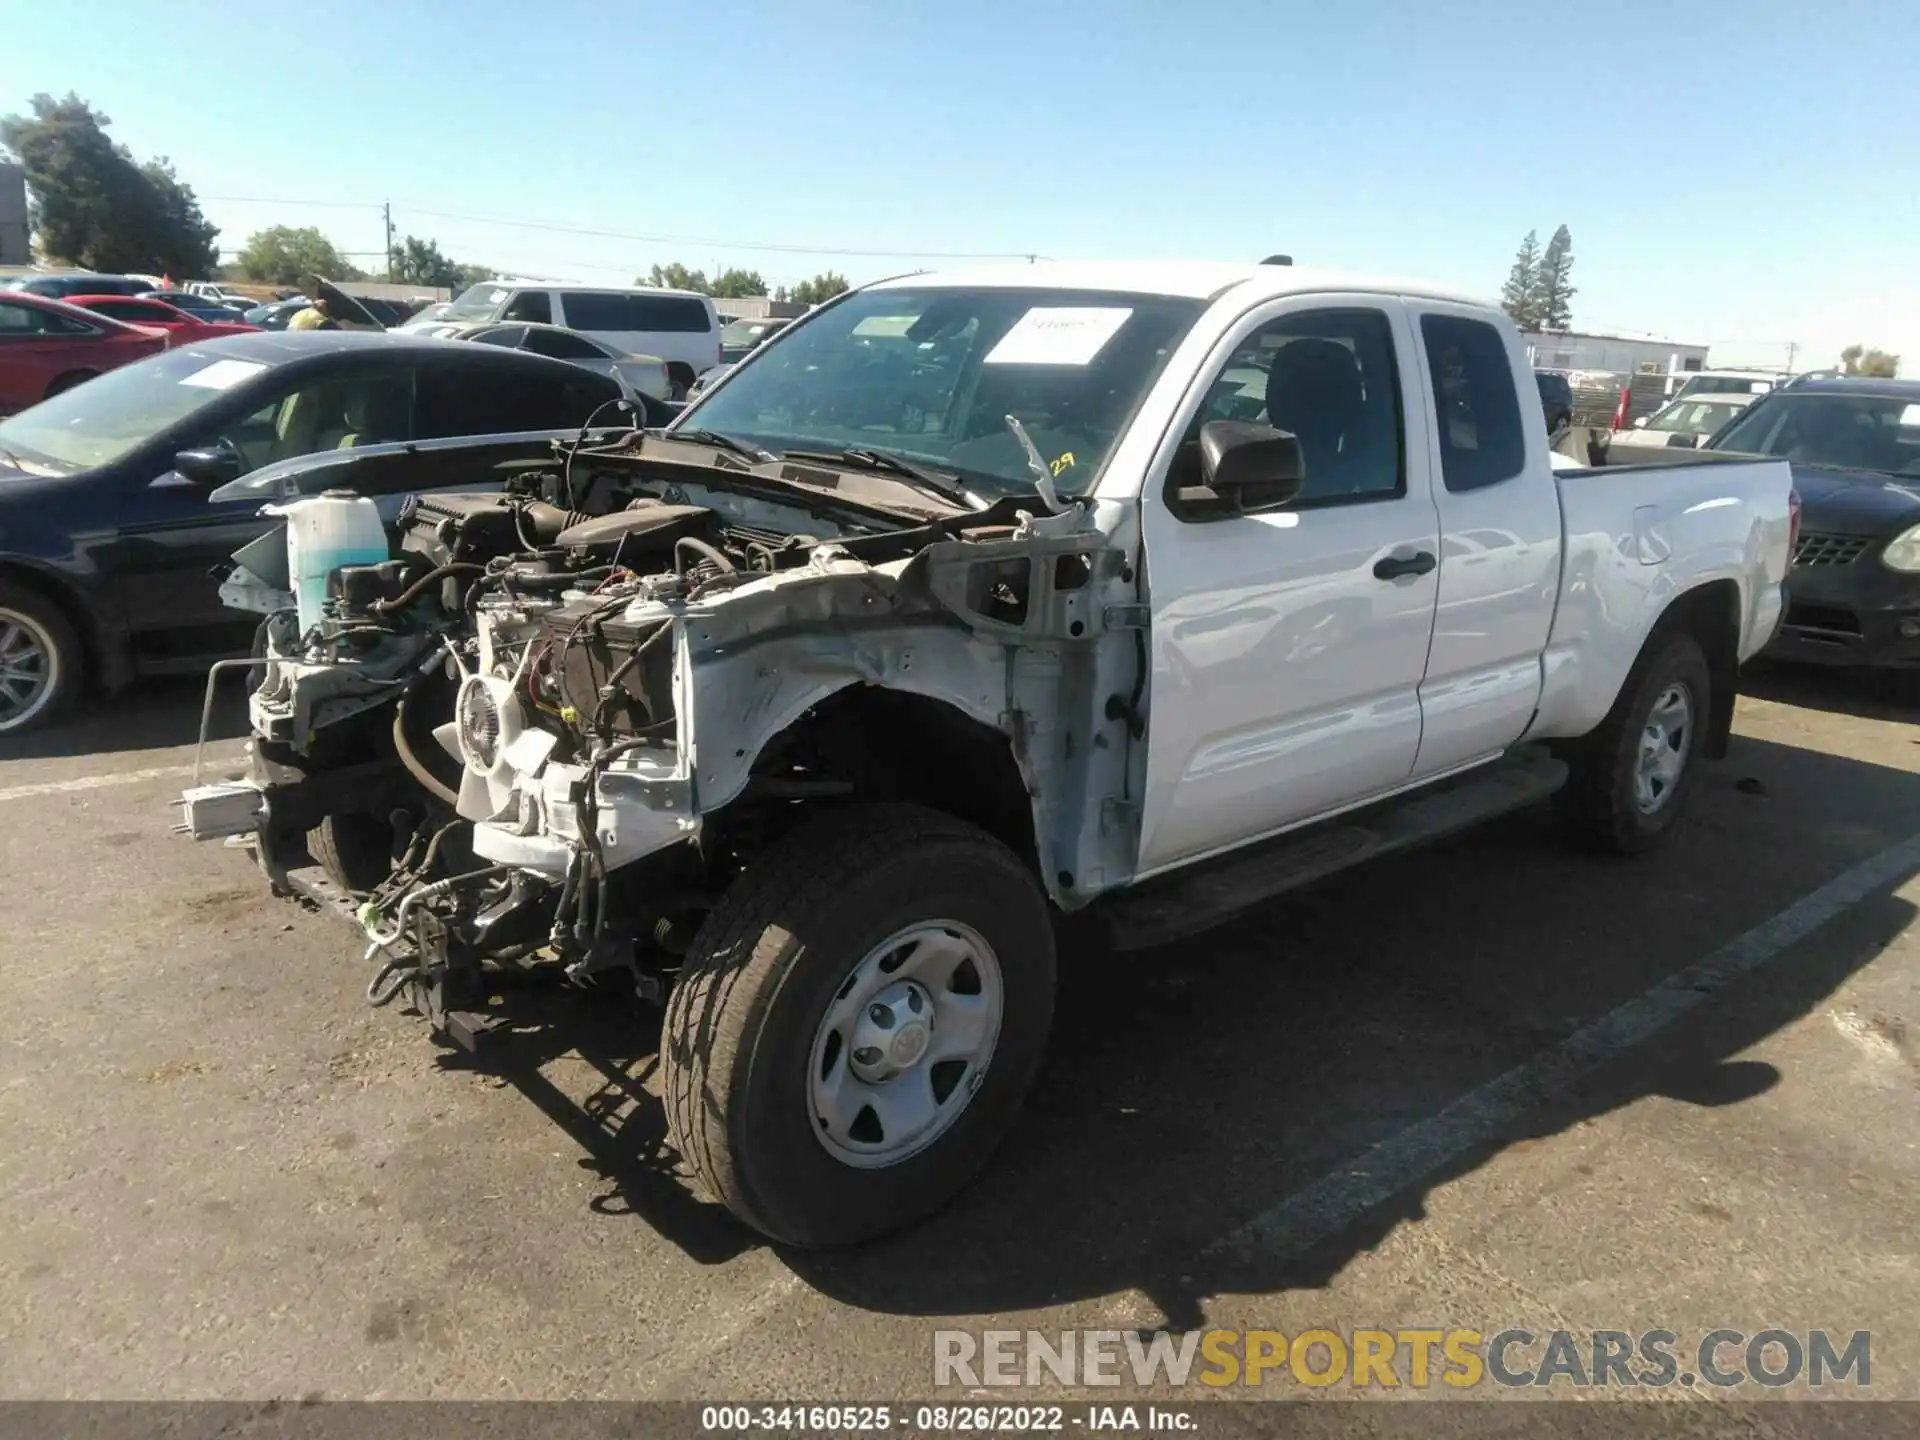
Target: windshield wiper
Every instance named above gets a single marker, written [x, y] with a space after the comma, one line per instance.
[723, 442]
[938, 482]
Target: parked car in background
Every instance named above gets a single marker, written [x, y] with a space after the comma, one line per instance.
[212, 290]
[47, 346]
[738, 337]
[181, 326]
[59, 287]
[1853, 595]
[1679, 425]
[427, 314]
[639, 374]
[200, 305]
[706, 381]
[680, 326]
[1728, 382]
[1556, 399]
[276, 314]
[108, 533]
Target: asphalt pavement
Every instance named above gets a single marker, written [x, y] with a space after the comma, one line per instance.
[1497, 1084]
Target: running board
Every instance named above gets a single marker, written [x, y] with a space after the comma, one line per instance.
[1189, 901]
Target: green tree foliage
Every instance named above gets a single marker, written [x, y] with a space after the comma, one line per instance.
[734, 283]
[821, 287]
[675, 277]
[1864, 360]
[1516, 296]
[1553, 290]
[94, 206]
[283, 255]
[421, 262]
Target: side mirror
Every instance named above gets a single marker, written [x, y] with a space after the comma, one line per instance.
[209, 467]
[1246, 468]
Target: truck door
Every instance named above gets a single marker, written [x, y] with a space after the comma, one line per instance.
[1500, 538]
[1287, 648]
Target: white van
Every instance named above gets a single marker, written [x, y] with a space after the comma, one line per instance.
[678, 326]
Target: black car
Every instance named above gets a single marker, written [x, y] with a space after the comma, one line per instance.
[109, 539]
[739, 338]
[1853, 594]
[201, 307]
[1556, 399]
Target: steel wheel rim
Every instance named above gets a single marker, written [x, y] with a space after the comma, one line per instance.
[29, 668]
[1665, 740]
[905, 1044]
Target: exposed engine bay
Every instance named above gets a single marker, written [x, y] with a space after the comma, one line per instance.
[562, 717]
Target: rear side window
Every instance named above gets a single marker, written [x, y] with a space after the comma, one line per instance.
[611, 311]
[471, 399]
[1482, 441]
[563, 345]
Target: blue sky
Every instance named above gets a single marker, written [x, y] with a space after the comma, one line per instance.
[1739, 174]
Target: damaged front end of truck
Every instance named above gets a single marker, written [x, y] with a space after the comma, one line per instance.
[719, 652]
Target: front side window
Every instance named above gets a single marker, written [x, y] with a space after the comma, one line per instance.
[931, 375]
[612, 312]
[1482, 438]
[563, 345]
[535, 307]
[1328, 378]
[333, 412]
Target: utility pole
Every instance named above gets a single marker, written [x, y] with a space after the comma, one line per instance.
[386, 214]
[1792, 345]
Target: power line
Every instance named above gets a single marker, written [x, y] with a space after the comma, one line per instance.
[769, 246]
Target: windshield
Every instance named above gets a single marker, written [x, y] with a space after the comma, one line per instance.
[480, 302]
[1723, 385]
[743, 332]
[930, 375]
[98, 422]
[1693, 417]
[1852, 432]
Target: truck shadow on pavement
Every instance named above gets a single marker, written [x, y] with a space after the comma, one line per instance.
[1191, 1089]
[157, 714]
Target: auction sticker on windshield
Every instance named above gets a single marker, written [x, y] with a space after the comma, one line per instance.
[1058, 335]
[223, 374]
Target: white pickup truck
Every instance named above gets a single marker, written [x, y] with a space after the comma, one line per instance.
[977, 599]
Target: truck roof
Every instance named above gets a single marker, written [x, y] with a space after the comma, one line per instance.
[1197, 279]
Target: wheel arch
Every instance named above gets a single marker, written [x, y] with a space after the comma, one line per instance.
[1709, 612]
[103, 661]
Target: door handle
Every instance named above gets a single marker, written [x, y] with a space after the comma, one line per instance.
[1394, 566]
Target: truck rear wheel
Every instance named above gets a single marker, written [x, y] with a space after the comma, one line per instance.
[857, 1023]
[1631, 777]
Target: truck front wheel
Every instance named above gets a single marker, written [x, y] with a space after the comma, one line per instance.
[1631, 777]
[857, 1023]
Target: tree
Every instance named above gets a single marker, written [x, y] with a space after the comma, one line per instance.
[93, 206]
[184, 238]
[469, 275]
[284, 255]
[1516, 296]
[821, 287]
[1863, 360]
[675, 277]
[1553, 290]
[734, 283]
[420, 262]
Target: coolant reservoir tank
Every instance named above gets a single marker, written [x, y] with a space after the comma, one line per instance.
[324, 532]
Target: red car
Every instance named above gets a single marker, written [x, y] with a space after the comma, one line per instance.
[47, 347]
[181, 327]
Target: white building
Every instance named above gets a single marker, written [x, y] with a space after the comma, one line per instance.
[1623, 354]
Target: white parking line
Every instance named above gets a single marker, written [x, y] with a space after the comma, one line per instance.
[1334, 1201]
[123, 777]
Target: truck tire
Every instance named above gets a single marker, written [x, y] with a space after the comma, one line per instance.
[1631, 777]
[42, 662]
[857, 1023]
[356, 851]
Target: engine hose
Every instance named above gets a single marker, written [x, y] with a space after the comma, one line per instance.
[414, 591]
[700, 548]
[415, 768]
[563, 908]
